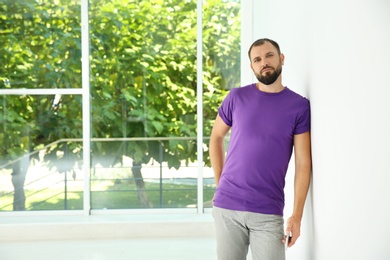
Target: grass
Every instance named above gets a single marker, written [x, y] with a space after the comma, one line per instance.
[114, 195]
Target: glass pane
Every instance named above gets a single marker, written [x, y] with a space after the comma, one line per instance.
[40, 44]
[221, 67]
[143, 68]
[208, 187]
[41, 153]
[125, 176]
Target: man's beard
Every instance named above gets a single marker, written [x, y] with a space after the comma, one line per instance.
[269, 77]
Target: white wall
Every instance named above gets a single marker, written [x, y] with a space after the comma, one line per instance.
[338, 55]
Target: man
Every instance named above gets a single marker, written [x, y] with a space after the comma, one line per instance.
[267, 121]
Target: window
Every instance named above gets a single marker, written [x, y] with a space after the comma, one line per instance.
[143, 102]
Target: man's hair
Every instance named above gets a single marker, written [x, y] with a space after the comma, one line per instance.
[260, 42]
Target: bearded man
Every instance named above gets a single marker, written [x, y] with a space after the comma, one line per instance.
[267, 121]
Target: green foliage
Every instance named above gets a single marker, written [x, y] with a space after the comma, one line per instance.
[40, 46]
[143, 74]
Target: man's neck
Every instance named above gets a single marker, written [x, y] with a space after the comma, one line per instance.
[272, 88]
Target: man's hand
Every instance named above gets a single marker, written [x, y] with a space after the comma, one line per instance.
[293, 227]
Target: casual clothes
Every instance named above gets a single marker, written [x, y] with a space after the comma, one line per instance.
[236, 230]
[263, 126]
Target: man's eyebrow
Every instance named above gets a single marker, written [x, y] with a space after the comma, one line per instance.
[255, 58]
[270, 52]
[258, 57]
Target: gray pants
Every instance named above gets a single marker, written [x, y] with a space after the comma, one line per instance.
[237, 230]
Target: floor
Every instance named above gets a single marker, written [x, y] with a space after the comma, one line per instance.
[107, 237]
[134, 249]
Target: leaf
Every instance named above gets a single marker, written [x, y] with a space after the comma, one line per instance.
[158, 126]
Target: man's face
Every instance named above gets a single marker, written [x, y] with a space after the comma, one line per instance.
[266, 63]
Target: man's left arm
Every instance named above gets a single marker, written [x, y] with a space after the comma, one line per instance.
[302, 151]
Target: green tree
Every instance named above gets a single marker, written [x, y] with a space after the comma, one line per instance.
[143, 77]
[40, 49]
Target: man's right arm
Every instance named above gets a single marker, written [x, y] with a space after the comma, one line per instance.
[216, 147]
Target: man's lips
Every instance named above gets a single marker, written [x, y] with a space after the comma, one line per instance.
[266, 69]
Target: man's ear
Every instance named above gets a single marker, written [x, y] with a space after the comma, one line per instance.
[282, 58]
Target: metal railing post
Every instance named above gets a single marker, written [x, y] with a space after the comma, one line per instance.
[161, 173]
[66, 190]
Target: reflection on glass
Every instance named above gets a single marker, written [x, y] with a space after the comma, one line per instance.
[40, 44]
[41, 153]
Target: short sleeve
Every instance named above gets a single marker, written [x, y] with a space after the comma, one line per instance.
[225, 111]
[303, 122]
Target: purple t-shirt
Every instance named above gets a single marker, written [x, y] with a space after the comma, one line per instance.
[261, 141]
